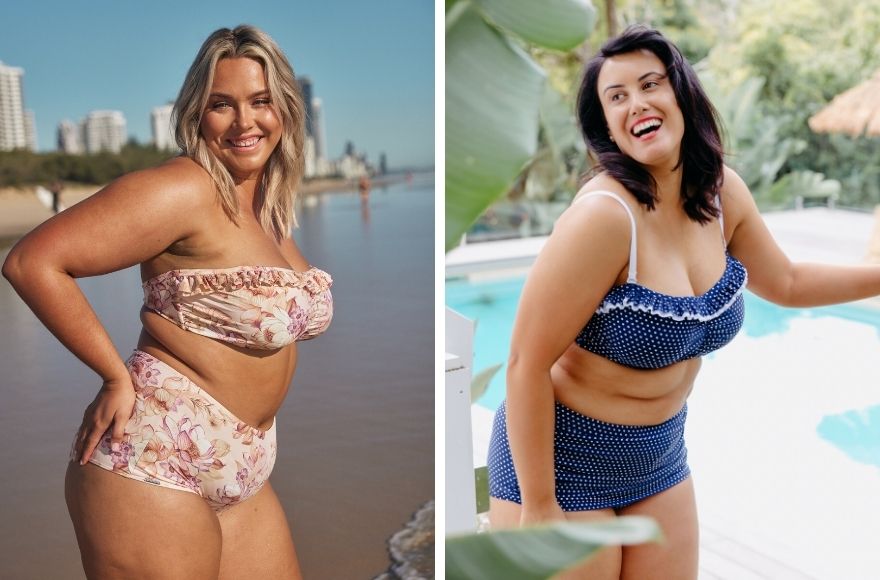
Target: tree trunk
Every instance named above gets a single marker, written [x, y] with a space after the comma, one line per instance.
[611, 18]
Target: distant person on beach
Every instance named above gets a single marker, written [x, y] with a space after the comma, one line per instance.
[364, 187]
[169, 469]
[56, 187]
[642, 276]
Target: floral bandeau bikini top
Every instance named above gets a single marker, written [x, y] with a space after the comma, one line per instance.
[260, 307]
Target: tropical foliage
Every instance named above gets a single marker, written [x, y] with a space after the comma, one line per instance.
[539, 552]
[769, 65]
[805, 52]
[22, 167]
[497, 97]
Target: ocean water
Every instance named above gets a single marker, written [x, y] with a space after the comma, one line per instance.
[356, 433]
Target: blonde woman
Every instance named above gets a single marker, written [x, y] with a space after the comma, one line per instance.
[168, 473]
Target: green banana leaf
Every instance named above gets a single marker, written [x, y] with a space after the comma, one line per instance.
[539, 552]
[481, 480]
[481, 381]
[493, 89]
[558, 121]
[555, 24]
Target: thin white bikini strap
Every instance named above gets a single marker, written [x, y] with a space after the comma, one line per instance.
[721, 218]
[631, 275]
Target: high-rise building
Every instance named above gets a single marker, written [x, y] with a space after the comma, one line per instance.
[318, 127]
[310, 167]
[160, 122]
[30, 130]
[105, 131]
[383, 164]
[70, 137]
[305, 86]
[12, 119]
[349, 148]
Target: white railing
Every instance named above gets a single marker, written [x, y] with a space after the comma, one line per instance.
[461, 496]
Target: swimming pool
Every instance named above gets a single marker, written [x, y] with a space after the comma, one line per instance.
[492, 304]
[783, 429]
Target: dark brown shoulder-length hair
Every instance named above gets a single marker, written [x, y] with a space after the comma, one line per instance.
[702, 153]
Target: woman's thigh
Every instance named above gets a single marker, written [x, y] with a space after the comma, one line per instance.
[602, 565]
[131, 529]
[675, 511]
[256, 540]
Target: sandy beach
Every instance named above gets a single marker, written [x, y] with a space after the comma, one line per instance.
[21, 210]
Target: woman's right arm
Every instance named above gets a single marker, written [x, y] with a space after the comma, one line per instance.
[131, 220]
[579, 263]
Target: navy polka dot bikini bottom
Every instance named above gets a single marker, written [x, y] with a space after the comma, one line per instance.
[598, 465]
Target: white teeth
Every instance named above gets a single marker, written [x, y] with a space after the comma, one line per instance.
[645, 125]
[246, 142]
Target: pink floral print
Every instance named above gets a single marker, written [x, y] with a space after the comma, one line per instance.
[260, 307]
[182, 438]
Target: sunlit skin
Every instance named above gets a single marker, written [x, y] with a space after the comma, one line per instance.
[240, 124]
[634, 88]
[585, 256]
[169, 218]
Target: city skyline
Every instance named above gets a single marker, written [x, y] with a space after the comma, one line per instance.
[375, 90]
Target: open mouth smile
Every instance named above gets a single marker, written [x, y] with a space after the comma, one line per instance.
[646, 127]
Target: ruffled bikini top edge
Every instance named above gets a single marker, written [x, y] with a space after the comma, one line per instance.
[702, 307]
[279, 273]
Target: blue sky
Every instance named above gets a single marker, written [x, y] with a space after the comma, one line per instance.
[370, 61]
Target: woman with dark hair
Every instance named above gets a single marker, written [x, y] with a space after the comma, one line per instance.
[642, 276]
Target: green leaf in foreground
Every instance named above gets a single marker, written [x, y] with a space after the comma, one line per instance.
[481, 480]
[493, 91]
[539, 552]
[481, 381]
[556, 24]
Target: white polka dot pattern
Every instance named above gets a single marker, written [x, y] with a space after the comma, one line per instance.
[598, 465]
[640, 328]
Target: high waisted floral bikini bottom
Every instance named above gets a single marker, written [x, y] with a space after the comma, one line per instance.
[180, 437]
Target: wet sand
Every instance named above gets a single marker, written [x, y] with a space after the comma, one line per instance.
[21, 210]
[356, 445]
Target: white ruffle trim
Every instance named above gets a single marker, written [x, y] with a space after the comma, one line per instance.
[627, 304]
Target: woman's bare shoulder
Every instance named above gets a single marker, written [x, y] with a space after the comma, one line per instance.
[131, 220]
[179, 180]
[598, 220]
[603, 182]
[736, 198]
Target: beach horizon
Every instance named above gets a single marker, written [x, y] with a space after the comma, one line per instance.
[21, 209]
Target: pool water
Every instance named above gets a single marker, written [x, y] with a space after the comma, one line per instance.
[856, 433]
[492, 305]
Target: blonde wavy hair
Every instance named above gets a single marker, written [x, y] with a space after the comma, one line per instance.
[285, 166]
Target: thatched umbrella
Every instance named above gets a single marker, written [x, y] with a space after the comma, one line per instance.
[855, 111]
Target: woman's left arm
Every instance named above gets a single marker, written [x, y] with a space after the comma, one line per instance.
[772, 275]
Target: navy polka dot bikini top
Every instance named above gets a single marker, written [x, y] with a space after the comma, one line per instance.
[640, 328]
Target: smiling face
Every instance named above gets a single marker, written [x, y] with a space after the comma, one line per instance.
[640, 108]
[240, 125]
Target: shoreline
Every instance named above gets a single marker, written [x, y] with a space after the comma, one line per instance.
[21, 210]
[372, 472]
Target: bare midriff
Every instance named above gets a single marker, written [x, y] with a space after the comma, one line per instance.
[599, 388]
[250, 383]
